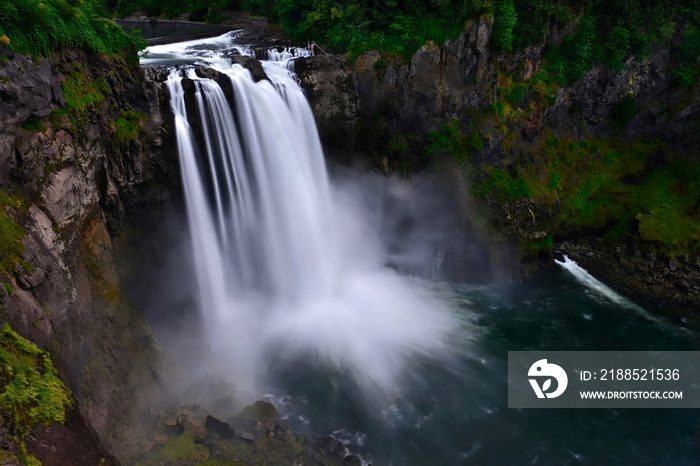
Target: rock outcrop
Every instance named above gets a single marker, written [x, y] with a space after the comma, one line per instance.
[84, 140]
[398, 116]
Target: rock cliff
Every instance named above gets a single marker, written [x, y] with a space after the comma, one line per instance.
[85, 166]
[530, 153]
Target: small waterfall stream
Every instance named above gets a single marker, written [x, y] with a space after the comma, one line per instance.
[283, 265]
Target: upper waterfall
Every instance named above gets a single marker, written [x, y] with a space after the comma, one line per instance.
[284, 264]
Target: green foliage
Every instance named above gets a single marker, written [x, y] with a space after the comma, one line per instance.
[80, 93]
[686, 68]
[494, 107]
[11, 232]
[474, 142]
[609, 188]
[567, 63]
[128, 124]
[667, 202]
[198, 10]
[505, 18]
[37, 27]
[554, 181]
[179, 450]
[32, 392]
[502, 185]
[447, 138]
[398, 143]
[33, 124]
[516, 95]
[617, 45]
[534, 23]
[380, 64]
[625, 109]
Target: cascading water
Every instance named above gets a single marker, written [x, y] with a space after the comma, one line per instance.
[288, 263]
[284, 264]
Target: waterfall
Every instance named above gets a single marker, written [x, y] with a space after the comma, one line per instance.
[285, 265]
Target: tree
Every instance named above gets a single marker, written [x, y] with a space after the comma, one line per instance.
[505, 19]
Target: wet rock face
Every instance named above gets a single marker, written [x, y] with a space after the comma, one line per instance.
[88, 186]
[334, 99]
[251, 64]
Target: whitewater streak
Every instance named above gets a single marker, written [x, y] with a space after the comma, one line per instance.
[285, 266]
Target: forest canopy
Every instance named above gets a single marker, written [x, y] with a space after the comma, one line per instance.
[38, 27]
[606, 31]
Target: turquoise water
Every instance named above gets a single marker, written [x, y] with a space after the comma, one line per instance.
[454, 410]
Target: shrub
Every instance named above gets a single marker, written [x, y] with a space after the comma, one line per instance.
[617, 45]
[516, 95]
[505, 18]
[475, 143]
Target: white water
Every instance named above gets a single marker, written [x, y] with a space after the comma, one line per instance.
[585, 278]
[285, 266]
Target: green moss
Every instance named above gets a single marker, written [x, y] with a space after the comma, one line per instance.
[128, 124]
[608, 188]
[179, 450]
[494, 107]
[33, 124]
[474, 142]
[56, 116]
[80, 93]
[447, 138]
[516, 95]
[398, 143]
[11, 232]
[32, 392]
[502, 185]
[537, 248]
[258, 410]
[667, 204]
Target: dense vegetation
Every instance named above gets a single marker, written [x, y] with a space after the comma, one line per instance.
[37, 27]
[608, 31]
[31, 392]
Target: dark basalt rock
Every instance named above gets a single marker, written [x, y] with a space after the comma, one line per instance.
[253, 65]
[220, 428]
